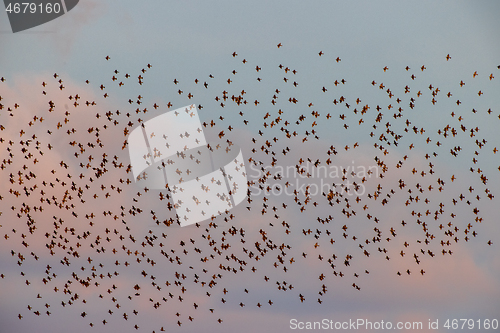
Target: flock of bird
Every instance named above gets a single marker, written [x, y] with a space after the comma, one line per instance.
[68, 199]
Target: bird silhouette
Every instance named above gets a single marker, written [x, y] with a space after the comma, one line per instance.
[69, 187]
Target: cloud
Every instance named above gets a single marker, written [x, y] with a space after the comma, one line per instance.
[216, 255]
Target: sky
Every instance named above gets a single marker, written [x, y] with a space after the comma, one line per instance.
[355, 86]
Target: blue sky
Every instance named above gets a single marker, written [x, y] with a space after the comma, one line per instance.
[191, 40]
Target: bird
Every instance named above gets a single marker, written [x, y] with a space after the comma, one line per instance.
[120, 240]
